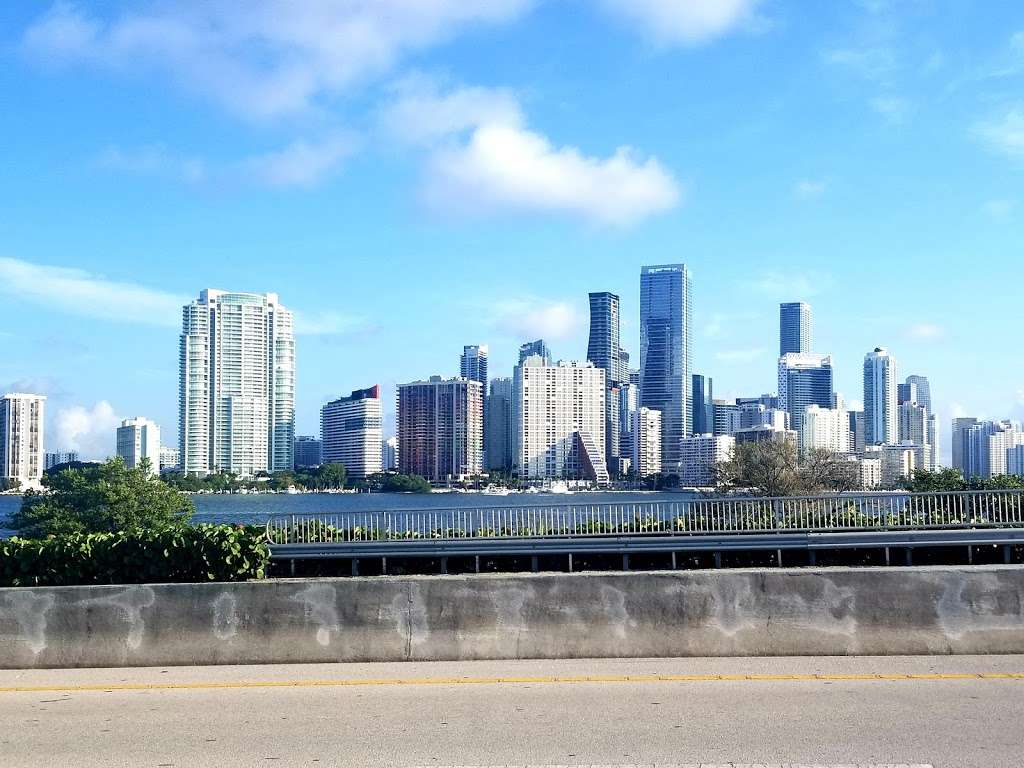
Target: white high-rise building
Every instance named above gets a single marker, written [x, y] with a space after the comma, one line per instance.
[237, 384]
[825, 428]
[352, 431]
[560, 420]
[389, 454]
[52, 459]
[646, 443]
[170, 459]
[1000, 446]
[916, 425]
[139, 439]
[880, 418]
[21, 438]
[701, 455]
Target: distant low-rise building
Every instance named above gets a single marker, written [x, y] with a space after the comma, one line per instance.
[170, 459]
[56, 458]
[138, 440]
[701, 456]
[765, 433]
[646, 459]
[308, 452]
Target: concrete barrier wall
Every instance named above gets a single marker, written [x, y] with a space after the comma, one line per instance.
[832, 611]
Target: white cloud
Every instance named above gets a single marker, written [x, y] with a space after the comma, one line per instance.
[790, 287]
[78, 292]
[276, 57]
[530, 318]
[82, 293]
[740, 355]
[1003, 134]
[422, 114]
[870, 62]
[809, 189]
[327, 324]
[90, 431]
[483, 159]
[893, 108]
[1000, 209]
[152, 160]
[687, 22]
[925, 332]
[301, 163]
[503, 167]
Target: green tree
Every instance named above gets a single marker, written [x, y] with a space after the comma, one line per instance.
[103, 498]
[332, 476]
[389, 482]
[771, 468]
[9, 484]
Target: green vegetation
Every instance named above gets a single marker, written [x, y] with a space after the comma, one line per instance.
[387, 482]
[9, 484]
[772, 468]
[923, 481]
[175, 554]
[322, 478]
[101, 498]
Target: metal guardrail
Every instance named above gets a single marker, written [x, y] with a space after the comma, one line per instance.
[691, 517]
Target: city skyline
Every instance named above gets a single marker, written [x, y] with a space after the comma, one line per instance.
[163, 190]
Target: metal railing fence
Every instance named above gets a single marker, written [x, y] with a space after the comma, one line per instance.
[846, 512]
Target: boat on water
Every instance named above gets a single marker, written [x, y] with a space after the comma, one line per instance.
[493, 490]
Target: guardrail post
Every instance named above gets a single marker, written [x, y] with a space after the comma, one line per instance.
[674, 565]
[910, 555]
[570, 562]
[625, 562]
[444, 565]
[476, 563]
[534, 564]
[718, 559]
[1007, 554]
[355, 566]
[384, 566]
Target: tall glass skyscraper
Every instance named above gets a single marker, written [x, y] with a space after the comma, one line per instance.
[881, 425]
[804, 380]
[703, 420]
[666, 317]
[794, 328]
[237, 384]
[473, 364]
[531, 348]
[604, 349]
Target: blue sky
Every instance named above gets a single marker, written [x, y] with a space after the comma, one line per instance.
[414, 175]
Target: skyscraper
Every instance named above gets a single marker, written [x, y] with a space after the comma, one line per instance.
[961, 450]
[440, 428]
[498, 426]
[805, 379]
[473, 363]
[666, 317]
[352, 430]
[881, 424]
[21, 438]
[703, 419]
[794, 328]
[604, 349]
[55, 458]
[237, 384]
[560, 421]
[531, 348]
[139, 439]
[917, 425]
[916, 389]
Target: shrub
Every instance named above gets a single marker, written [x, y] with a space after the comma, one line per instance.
[173, 554]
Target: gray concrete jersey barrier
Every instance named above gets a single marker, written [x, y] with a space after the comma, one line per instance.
[755, 612]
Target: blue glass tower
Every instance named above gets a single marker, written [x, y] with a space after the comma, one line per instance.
[666, 354]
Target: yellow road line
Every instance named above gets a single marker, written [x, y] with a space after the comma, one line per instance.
[538, 680]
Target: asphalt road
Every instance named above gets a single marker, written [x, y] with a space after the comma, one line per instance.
[938, 711]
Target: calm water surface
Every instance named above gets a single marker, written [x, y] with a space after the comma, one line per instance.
[256, 509]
